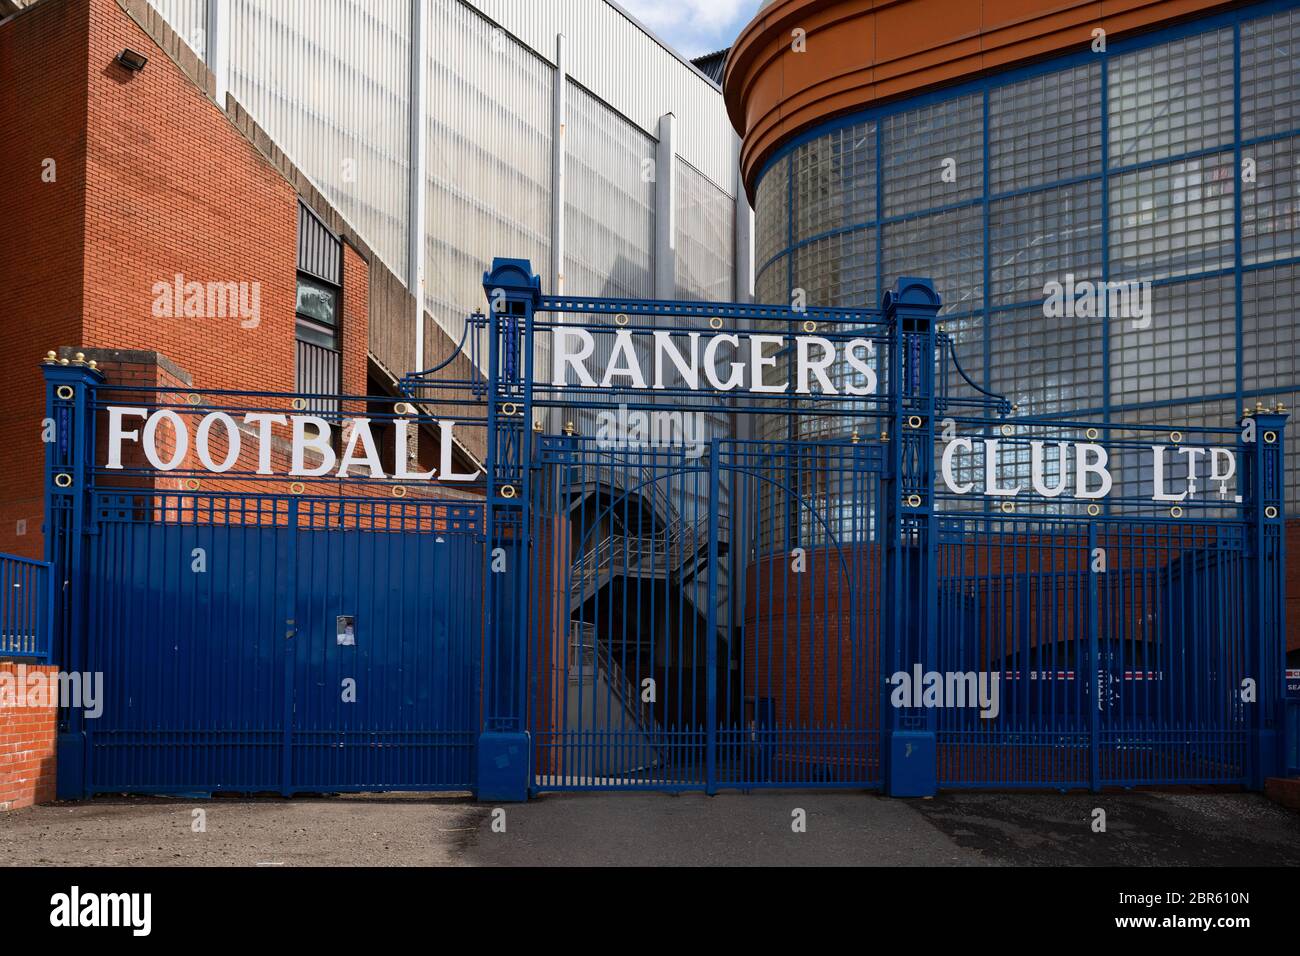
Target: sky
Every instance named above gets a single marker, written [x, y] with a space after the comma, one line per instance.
[694, 27]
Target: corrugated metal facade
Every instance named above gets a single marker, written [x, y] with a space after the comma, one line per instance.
[488, 154]
[188, 18]
[706, 222]
[627, 68]
[329, 81]
[609, 203]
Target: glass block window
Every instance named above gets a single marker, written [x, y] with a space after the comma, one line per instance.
[1270, 74]
[1185, 347]
[1171, 99]
[1046, 365]
[1270, 332]
[916, 144]
[771, 205]
[838, 270]
[1152, 208]
[948, 248]
[835, 180]
[1270, 206]
[1043, 236]
[771, 286]
[1045, 129]
[1172, 220]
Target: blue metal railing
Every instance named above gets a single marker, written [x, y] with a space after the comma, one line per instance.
[25, 609]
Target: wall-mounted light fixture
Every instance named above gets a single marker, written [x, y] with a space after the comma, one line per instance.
[133, 61]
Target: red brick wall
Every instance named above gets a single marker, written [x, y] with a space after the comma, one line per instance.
[42, 117]
[353, 329]
[26, 751]
[172, 187]
[152, 179]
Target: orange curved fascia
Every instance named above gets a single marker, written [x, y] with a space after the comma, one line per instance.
[859, 53]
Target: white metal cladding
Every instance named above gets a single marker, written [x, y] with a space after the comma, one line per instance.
[188, 18]
[609, 224]
[609, 214]
[706, 224]
[488, 154]
[620, 62]
[329, 81]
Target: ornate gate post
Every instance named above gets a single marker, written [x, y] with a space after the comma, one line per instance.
[1265, 500]
[69, 458]
[909, 634]
[504, 748]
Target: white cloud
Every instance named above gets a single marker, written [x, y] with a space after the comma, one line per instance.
[694, 26]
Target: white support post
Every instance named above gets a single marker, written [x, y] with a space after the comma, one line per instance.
[744, 240]
[559, 125]
[216, 22]
[417, 169]
[559, 121]
[666, 209]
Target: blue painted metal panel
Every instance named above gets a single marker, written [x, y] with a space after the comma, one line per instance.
[232, 678]
[191, 661]
[412, 722]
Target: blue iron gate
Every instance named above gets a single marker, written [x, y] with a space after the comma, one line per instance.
[693, 546]
[744, 609]
[233, 677]
[255, 641]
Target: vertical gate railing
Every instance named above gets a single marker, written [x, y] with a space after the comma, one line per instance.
[26, 609]
[911, 580]
[69, 456]
[513, 292]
